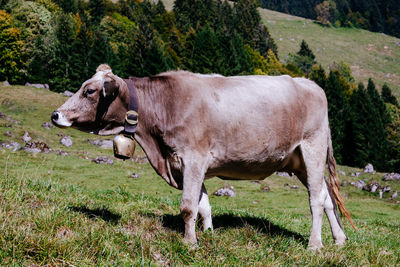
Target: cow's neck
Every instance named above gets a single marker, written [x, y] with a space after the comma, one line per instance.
[133, 108]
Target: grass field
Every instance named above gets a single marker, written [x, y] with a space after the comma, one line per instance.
[67, 210]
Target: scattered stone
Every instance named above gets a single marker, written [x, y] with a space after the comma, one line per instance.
[369, 168]
[372, 187]
[26, 138]
[358, 184]
[386, 188]
[355, 174]
[292, 186]
[38, 85]
[2, 115]
[265, 188]
[101, 143]
[60, 134]
[342, 172]
[9, 134]
[6, 83]
[391, 177]
[397, 43]
[66, 141]
[47, 125]
[228, 191]
[255, 182]
[13, 146]
[37, 147]
[134, 176]
[12, 120]
[103, 160]
[283, 174]
[61, 153]
[67, 93]
[344, 183]
[394, 195]
[140, 160]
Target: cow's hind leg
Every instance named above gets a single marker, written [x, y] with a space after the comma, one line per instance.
[311, 174]
[193, 176]
[205, 209]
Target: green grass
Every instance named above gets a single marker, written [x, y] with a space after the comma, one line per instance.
[369, 54]
[68, 210]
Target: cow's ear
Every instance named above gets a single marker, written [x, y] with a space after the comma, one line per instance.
[111, 86]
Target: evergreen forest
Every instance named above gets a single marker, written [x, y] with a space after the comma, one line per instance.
[374, 15]
[61, 42]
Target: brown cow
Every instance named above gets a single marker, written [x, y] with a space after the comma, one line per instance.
[193, 127]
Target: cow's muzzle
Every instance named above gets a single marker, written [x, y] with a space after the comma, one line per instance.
[59, 120]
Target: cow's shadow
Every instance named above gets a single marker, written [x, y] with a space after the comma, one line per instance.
[175, 223]
[101, 213]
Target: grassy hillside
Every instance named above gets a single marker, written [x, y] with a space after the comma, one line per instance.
[369, 54]
[66, 209]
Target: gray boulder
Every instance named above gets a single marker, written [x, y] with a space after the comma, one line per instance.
[342, 172]
[9, 134]
[13, 146]
[26, 138]
[391, 177]
[101, 143]
[283, 174]
[67, 93]
[358, 184]
[103, 160]
[66, 141]
[47, 125]
[38, 85]
[37, 147]
[227, 191]
[6, 83]
[369, 168]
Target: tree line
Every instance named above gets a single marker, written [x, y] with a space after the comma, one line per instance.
[61, 42]
[373, 15]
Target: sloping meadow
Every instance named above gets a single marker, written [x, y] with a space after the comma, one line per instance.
[58, 207]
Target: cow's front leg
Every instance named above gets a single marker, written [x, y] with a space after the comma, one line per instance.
[205, 209]
[193, 176]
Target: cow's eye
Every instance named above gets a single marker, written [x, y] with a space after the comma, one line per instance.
[90, 91]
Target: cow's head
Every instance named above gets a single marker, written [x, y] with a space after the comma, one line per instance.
[99, 106]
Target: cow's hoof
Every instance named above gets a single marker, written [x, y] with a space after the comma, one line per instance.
[340, 242]
[315, 246]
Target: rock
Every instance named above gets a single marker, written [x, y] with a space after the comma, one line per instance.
[358, 184]
[9, 134]
[140, 160]
[103, 160]
[283, 174]
[255, 182]
[61, 153]
[66, 141]
[228, 191]
[6, 83]
[67, 93]
[356, 174]
[344, 183]
[394, 195]
[291, 186]
[391, 177]
[13, 146]
[38, 85]
[47, 125]
[342, 172]
[37, 147]
[265, 188]
[134, 176]
[369, 168]
[26, 138]
[386, 188]
[371, 187]
[2, 115]
[12, 120]
[101, 143]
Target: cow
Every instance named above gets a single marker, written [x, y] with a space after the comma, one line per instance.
[194, 127]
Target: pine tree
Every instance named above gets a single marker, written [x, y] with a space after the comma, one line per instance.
[97, 11]
[388, 97]
[100, 52]
[318, 75]
[205, 53]
[337, 109]
[305, 51]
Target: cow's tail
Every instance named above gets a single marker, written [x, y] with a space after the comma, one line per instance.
[334, 182]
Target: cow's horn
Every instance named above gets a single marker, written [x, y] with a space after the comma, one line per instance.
[111, 86]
